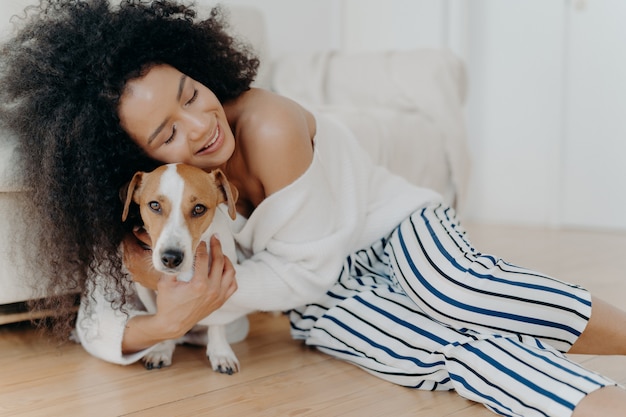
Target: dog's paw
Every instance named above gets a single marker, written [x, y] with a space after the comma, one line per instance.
[224, 364]
[219, 352]
[160, 356]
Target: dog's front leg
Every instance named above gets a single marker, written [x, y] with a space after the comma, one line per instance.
[160, 356]
[219, 352]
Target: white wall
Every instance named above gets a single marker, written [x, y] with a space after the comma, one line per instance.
[367, 26]
[9, 8]
[544, 126]
[594, 173]
[515, 109]
[546, 112]
[308, 25]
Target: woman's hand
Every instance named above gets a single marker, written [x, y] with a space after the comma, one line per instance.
[180, 305]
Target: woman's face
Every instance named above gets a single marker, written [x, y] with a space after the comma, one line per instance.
[174, 118]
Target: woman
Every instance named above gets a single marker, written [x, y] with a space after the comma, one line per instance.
[374, 270]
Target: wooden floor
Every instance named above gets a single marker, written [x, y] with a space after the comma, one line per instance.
[280, 377]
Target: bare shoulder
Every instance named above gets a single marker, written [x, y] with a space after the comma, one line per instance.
[274, 135]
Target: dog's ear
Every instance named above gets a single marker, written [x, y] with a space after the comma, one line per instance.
[127, 193]
[228, 192]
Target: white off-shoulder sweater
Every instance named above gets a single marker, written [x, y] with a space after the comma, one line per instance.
[293, 245]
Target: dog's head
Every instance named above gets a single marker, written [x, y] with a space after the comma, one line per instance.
[177, 204]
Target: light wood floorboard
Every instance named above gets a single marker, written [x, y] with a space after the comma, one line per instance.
[279, 376]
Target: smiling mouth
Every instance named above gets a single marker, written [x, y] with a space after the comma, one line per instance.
[214, 139]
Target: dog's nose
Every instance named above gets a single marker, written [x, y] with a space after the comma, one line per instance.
[172, 258]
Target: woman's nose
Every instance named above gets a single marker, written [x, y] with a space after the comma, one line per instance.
[197, 128]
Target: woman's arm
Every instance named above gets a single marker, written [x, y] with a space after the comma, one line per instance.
[124, 337]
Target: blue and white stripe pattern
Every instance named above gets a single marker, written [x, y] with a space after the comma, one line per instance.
[423, 309]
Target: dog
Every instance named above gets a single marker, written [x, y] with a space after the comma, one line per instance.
[180, 206]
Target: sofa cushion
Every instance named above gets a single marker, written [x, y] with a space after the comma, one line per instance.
[428, 84]
[405, 142]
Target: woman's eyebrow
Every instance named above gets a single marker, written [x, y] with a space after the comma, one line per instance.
[156, 132]
[181, 84]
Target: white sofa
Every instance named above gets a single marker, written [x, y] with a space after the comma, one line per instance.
[405, 107]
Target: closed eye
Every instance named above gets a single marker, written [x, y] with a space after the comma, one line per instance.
[171, 138]
[193, 98]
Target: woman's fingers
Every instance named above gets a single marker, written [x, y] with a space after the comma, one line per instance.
[221, 275]
[214, 273]
[216, 249]
[201, 261]
[230, 283]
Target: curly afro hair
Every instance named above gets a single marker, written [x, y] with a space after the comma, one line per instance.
[61, 78]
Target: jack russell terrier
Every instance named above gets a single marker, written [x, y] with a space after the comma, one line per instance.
[179, 206]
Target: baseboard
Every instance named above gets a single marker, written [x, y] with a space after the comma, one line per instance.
[17, 312]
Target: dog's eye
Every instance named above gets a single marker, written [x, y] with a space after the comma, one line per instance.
[155, 206]
[198, 210]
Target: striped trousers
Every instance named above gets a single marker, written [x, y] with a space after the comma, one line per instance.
[422, 308]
